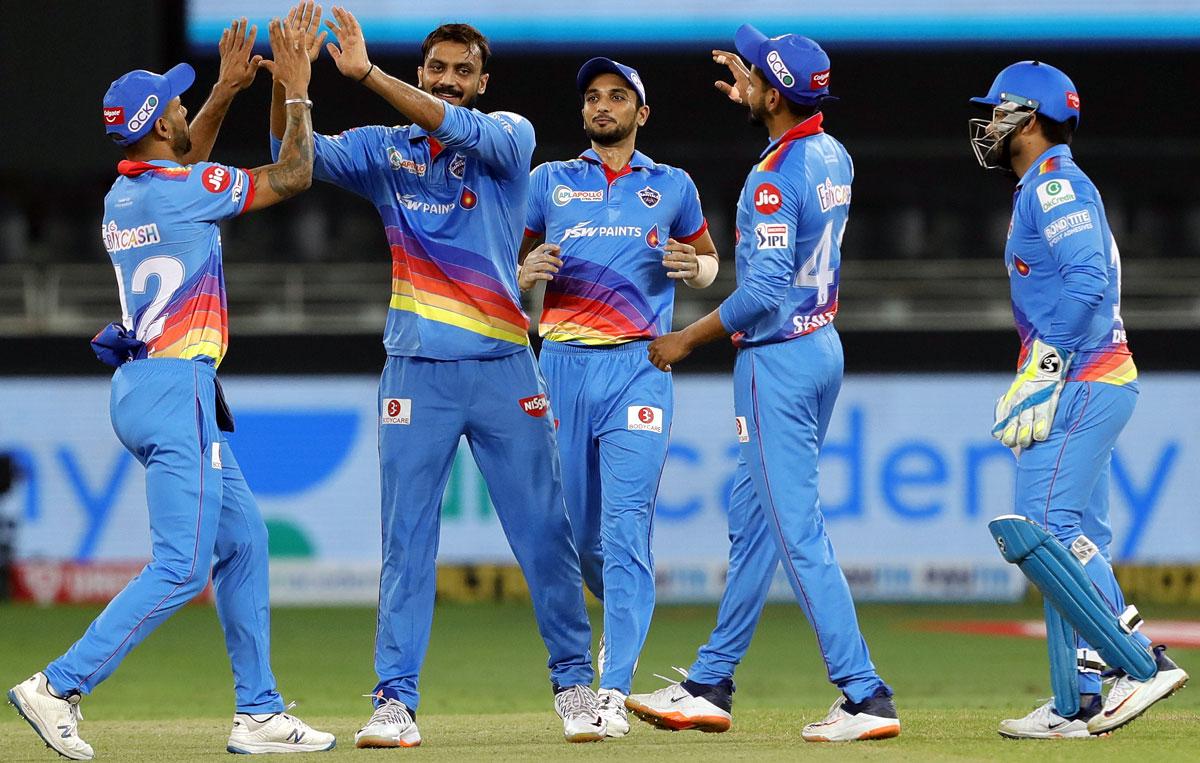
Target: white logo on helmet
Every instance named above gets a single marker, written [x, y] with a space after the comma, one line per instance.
[775, 61]
[138, 120]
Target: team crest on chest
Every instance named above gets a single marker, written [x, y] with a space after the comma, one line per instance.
[649, 196]
[458, 166]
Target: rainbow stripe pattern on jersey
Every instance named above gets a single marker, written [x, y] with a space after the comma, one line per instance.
[594, 305]
[453, 286]
[196, 319]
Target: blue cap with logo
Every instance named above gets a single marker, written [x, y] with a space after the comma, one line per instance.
[134, 101]
[794, 65]
[1037, 86]
[599, 65]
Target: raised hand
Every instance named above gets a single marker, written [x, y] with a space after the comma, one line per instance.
[238, 66]
[741, 75]
[289, 63]
[304, 20]
[351, 57]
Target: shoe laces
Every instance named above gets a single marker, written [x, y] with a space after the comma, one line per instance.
[575, 701]
[392, 711]
[673, 681]
[835, 710]
[611, 702]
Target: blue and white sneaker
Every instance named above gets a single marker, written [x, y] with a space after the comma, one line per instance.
[1130, 697]
[276, 732]
[54, 718]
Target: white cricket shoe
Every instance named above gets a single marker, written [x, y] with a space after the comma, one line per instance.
[1130, 697]
[873, 718]
[391, 725]
[580, 711]
[1044, 723]
[255, 733]
[674, 707]
[612, 710]
[55, 719]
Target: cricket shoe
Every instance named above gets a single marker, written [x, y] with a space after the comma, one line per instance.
[873, 718]
[612, 710]
[1046, 723]
[391, 725]
[256, 733]
[579, 709]
[1129, 697]
[54, 718]
[686, 705]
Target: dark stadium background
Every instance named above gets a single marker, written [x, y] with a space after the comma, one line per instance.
[921, 205]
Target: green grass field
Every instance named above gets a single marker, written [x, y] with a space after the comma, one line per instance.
[485, 690]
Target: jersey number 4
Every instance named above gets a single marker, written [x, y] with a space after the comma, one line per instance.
[169, 272]
[815, 273]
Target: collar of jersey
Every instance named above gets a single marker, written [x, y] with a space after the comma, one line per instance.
[1059, 149]
[638, 161]
[133, 169]
[808, 127]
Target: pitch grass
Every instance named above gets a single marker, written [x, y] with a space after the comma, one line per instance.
[485, 693]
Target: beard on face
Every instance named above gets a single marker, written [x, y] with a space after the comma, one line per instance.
[757, 115]
[181, 142]
[608, 136]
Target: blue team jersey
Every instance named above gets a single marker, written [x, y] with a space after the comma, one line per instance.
[160, 230]
[1063, 261]
[790, 219]
[612, 227]
[453, 208]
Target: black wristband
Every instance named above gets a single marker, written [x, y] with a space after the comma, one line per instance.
[368, 74]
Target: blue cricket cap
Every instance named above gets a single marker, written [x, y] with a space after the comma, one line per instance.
[794, 65]
[1038, 86]
[134, 101]
[599, 65]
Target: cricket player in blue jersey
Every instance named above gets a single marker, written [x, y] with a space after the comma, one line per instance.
[451, 189]
[1076, 385]
[620, 232]
[790, 220]
[160, 230]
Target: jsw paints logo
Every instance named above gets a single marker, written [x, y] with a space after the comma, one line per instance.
[585, 229]
[143, 114]
[119, 239]
[535, 406]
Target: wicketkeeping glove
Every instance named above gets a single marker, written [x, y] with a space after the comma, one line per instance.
[1025, 413]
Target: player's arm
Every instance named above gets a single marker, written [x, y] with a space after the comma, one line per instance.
[1074, 234]
[350, 55]
[292, 171]
[536, 260]
[237, 71]
[760, 292]
[502, 140]
[690, 254]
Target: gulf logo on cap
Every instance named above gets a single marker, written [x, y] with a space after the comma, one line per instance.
[767, 199]
[1072, 100]
[114, 115]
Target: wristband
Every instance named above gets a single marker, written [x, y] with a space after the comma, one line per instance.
[368, 74]
[305, 101]
[705, 275]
